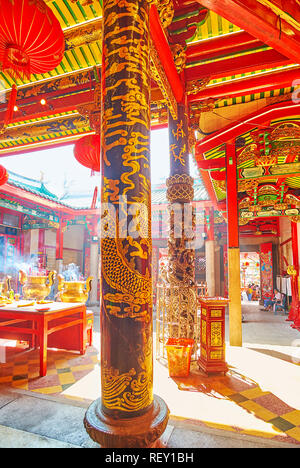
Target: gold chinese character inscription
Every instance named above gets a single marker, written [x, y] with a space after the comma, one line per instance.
[179, 133]
[179, 157]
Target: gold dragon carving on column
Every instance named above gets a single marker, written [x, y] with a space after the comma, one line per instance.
[127, 295]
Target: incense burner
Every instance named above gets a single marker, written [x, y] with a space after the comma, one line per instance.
[4, 287]
[36, 287]
[74, 291]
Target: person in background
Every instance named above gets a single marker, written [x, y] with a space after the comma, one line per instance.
[276, 299]
[280, 306]
[249, 292]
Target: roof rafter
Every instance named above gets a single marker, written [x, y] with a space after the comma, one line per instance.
[262, 22]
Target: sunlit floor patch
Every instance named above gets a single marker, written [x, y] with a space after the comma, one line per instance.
[259, 396]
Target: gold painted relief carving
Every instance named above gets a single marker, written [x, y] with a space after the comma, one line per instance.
[83, 34]
[165, 10]
[127, 392]
[216, 334]
[203, 331]
[216, 313]
[216, 355]
[179, 56]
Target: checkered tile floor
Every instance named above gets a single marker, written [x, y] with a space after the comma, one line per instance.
[64, 369]
[248, 395]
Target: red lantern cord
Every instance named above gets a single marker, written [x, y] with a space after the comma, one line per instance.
[93, 206]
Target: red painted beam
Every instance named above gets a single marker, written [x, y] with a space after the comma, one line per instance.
[211, 164]
[209, 187]
[29, 148]
[163, 49]
[54, 105]
[224, 45]
[238, 65]
[261, 22]
[257, 119]
[243, 87]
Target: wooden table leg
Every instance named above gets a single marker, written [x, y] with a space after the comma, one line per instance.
[34, 336]
[83, 332]
[43, 338]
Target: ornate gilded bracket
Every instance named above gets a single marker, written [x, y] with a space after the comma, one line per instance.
[195, 86]
[92, 111]
[82, 2]
[83, 34]
[165, 10]
[179, 56]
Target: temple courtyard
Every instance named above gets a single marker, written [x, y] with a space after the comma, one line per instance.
[256, 404]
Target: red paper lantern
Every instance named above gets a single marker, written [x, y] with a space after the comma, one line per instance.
[31, 38]
[3, 175]
[87, 152]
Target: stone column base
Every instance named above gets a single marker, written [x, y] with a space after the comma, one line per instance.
[141, 432]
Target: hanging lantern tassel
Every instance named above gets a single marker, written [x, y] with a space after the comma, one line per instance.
[93, 206]
[11, 105]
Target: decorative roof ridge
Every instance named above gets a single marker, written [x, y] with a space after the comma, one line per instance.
[39, 186]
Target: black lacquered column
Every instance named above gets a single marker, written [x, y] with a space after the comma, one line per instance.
[126, 415]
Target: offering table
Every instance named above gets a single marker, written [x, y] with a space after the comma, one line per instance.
[54, 325]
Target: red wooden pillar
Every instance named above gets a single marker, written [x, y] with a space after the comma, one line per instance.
[59, 247]
[234, 280]
[294, 314]
[210, 252]
[41, 249]
[209, 225]
[59, 242]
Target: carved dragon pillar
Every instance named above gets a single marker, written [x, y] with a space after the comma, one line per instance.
[182, 308]
[127, 415]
